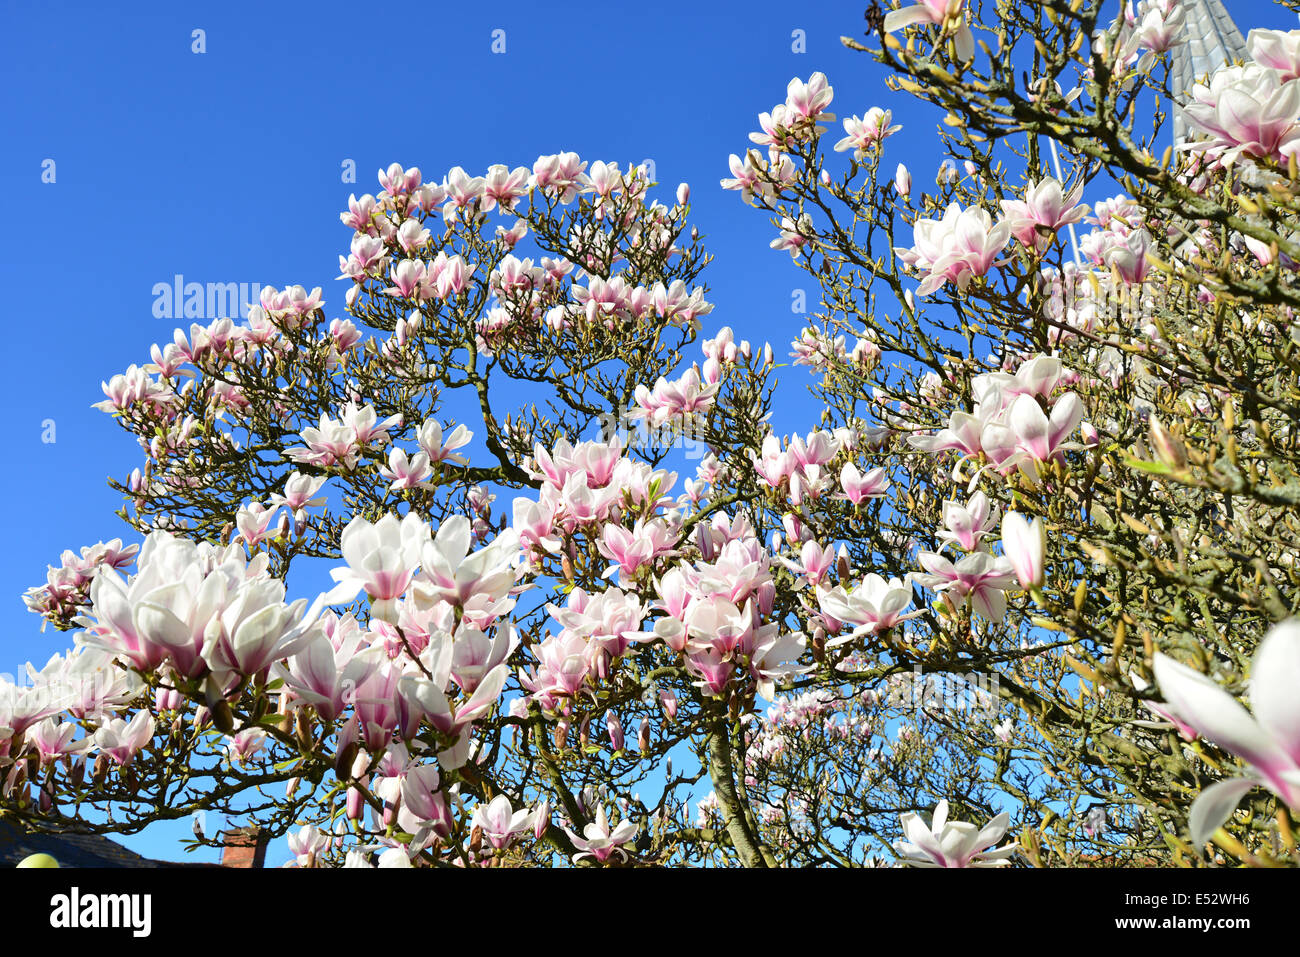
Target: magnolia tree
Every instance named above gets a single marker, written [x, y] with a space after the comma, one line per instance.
[1023, 594]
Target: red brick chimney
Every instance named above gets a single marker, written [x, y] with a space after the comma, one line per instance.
[244, 847]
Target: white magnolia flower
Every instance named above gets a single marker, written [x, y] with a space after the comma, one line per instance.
[952, 843]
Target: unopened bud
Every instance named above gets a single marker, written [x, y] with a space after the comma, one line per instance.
[223, 719]
[683, 194]
[668, 702]
[1168, 447]
[903, 181]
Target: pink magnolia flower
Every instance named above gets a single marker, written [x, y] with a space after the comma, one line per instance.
[875, 605]
[443, 449]
[1269, 741]
[714, 669]
[53, 739]
[1276, 49]
[254, 522]
[448, 572]
[1254, 113]
[961, 246]
[685, 400]
[858, 487]
[1028, 436]
[1042, 212]
[598, 841]
[952, 843]
[307, 844]
[381, 559]
[474, 655]
[332, 443]
[1160, 27]
[300, 493]
[794, 235]
[406, 473]
[903, 181]
[865, 132]
[504, 186]
[1127, 255]
[967, 525]
[747, 176]
[326, 673]
[814, 564]
[121, 740]
[1024, 542]
[244, 745]
[632, 550]
[559, 175]
[809, 100]
[934, 12]
[499, 822]
[978, 577]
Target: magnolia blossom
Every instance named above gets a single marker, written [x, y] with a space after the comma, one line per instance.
[307, 844]
[53, 739]
[1250, 111]
[448, 572]
[1269, 742]
[960, 246]
[1276, 49]
[300, 493]
[440, 449]
[952, 843]
[935, 12]
[864, 132]
[858, 486]
[381, 558]
[967, 525]
[499, 822]
[1043, 211]
[120, 740]
[979, 578]
[598, 841]
[873, 606]
[1023, 542]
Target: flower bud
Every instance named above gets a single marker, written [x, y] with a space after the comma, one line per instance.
[683, 194]
[1168, 447]
[541, 818]
[615, 728]
[668, 702]
[903, 181]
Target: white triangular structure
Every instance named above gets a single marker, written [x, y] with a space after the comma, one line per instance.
[1212, 40]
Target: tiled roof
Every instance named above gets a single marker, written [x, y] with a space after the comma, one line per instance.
[70, 850]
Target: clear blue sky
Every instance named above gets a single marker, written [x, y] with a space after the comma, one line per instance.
[225, 166]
